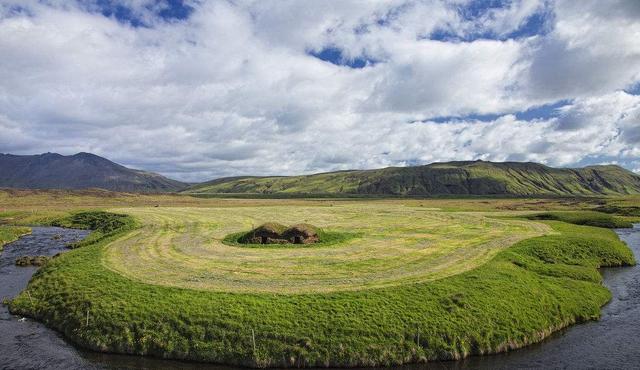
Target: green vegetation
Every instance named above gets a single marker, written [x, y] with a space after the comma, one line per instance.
[406, 280]
[28, 207]
[509, 298]
[453, 178]
[631, 211]
[272, 227]
[588, 218]
[184, 247]
[103, 224]
[11, 233]
[523, 294]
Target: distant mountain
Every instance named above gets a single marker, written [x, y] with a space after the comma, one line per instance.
[451, 178]
[79, 171]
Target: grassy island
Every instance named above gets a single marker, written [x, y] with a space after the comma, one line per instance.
[412, 284]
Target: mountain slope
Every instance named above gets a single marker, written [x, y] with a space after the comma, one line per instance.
[79, 171]
[451, 178]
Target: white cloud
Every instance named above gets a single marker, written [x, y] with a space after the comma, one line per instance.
[593, 49]
[232, 89]
[436, 78]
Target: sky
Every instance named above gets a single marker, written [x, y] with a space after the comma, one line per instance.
[200, 89]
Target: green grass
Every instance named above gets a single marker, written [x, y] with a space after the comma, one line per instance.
[628, 211]
[588, 218]
[11, 233]
[520, 296]
[397, 244]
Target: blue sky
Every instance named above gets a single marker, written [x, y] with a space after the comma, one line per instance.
[198, 89]
[335, 56]
[168, 11]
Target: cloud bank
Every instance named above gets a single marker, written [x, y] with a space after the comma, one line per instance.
[203, 89]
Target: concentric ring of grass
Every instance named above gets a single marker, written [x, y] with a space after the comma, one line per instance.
[185, 247]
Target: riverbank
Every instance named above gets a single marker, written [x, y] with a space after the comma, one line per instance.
[26, 344]
[608, 343]
[9, 234]
[519, 297]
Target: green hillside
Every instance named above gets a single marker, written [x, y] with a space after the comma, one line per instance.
[451, 178]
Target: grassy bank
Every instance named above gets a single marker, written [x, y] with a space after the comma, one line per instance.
[587, 218]
[11, 233]
[103, 225]
[520, 296]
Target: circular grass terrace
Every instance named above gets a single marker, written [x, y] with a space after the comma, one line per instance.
[380, 246]
[408, 284]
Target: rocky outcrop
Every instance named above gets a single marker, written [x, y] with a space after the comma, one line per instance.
[32, 261]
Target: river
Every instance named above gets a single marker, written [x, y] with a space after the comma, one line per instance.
[612, 342]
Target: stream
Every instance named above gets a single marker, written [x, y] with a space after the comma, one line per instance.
[611, 342]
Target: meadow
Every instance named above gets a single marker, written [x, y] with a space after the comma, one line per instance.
[390, 245]
[414, 281]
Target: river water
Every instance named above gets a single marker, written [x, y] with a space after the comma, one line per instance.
[612, 342]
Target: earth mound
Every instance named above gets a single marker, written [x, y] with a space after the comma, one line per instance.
[275, 233]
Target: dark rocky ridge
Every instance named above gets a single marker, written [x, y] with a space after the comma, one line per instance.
[79, 171]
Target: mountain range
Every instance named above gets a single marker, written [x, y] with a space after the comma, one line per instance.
[85, 170]
[79, 171]
[450, 178]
